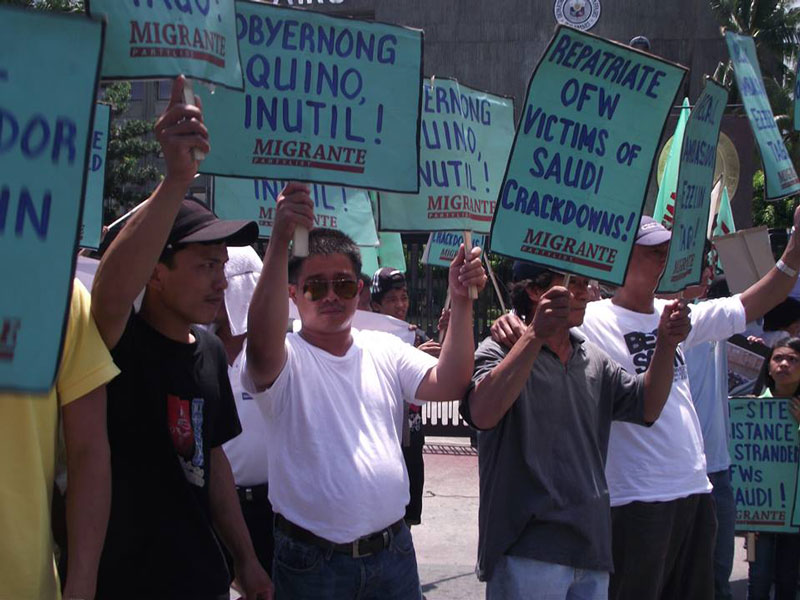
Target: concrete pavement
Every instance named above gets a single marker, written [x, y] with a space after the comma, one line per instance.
[447, 541]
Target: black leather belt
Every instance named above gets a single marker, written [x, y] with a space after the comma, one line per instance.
[253, 493]
[363, 546]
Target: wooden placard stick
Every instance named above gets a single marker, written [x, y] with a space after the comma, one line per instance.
[188, 98]
[473, 291]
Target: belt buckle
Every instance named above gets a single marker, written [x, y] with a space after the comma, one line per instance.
[248, 494]
[357, 554]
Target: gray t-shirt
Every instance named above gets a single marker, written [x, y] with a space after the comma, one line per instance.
[543, 492]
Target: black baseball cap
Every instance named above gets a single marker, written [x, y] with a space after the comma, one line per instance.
[195, 223]
[384, 280]
[522, 270]
[651, 232]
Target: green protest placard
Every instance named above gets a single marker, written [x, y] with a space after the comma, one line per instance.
[575, 183]
[443, 246]
[779, 173]
[92, 224]
[369, 259]
[465, 139]
[695, 178]
[796, 121]
[389, 253]
[44, 145]
[346, 209]
[150, 40]
[764, 453]
[326, 99]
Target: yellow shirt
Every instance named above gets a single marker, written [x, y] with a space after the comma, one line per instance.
[28, 438]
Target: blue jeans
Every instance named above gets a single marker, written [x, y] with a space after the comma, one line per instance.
[304, 571]
[726, 522]
[518, 578]
[777, 556]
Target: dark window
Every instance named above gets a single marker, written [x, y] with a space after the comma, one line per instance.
[164, 89]
[137, 90]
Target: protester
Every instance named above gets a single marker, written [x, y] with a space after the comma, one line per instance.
[778, 554]
[544, 520]
[332, 400]
[247, 452]
[171, 409]
[389, 296]
[663, 519]
[28, 433]
[663, 522]
[707, 366]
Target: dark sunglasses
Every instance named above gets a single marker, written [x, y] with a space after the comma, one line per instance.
[317, 289]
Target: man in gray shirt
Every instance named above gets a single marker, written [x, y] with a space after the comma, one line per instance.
[544, 409]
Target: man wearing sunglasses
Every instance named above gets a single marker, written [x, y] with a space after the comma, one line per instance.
[332, 399]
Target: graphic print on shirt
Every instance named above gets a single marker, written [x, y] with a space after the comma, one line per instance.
[641, 346]
[185, 423]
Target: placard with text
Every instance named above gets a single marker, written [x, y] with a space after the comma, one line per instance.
[44, 146]
[150, 39]
[585, 145]
[326, 100]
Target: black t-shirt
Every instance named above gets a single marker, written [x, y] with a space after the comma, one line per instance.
[168, 408]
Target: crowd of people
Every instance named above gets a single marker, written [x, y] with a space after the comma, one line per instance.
[211, 440]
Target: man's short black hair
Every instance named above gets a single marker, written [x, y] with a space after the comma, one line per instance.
[326, 242]
[518, 292]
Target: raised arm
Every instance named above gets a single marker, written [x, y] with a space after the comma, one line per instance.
[494, 395]
[449, 379]
[128, 263]
[673, 328]
[269, 306]
[772, 289]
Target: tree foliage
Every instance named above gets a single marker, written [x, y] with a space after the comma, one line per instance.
[130, 169]
[774, 26]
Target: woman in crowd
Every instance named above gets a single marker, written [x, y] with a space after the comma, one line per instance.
[778, 554]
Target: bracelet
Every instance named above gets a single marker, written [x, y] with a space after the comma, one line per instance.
[785, 269]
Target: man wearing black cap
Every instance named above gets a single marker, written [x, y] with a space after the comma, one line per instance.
[171, 409]
[545, 409]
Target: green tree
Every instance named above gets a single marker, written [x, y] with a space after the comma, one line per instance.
[773, 25]
[54, 5]
[130, 170]
[772, 214]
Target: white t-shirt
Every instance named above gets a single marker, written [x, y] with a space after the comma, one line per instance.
[334, 426]
[247, 452]
[665, 461]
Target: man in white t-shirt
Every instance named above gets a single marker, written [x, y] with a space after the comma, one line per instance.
[663, 522]
[332, 400]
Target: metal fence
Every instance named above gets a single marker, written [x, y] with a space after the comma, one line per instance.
[427, 289]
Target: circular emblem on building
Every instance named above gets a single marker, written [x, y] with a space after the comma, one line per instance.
[580, 14]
